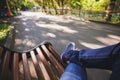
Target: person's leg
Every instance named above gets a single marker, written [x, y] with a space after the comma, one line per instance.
[74, 72]
[116, 70]
[116, 67]
[102, 58]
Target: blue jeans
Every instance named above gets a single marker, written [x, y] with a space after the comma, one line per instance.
[101, 58]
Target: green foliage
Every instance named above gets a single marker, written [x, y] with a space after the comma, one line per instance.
[71, 4]
[117, 7]
[14, 12]
[87, 4]
[28, 4]
[4, 30]
[54, 5]
[75, 3]
[94, 5]
[115, 18]
[101, 5]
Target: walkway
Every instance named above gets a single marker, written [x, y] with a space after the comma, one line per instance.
[33, 28]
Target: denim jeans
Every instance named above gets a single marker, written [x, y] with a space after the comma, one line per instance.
[101, 58]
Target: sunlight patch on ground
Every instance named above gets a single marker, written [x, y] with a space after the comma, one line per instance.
[24, 19]
[24, 23]
[90, 45]
[57, 27]
[28, 13]
[108, 40]
[18, 41]
[52, 35]
[17, 31]
[64, 41]
[61, 19]
[27, 29]
[114, 37]
[25, 41]
[56, 18]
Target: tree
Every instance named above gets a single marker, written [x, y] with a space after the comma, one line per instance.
[8, 7]
[110, 8]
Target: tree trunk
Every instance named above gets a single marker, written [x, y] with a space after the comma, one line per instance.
[62, 6]
[8, 7]
[44, 4]
[54, 7]
[110, 7]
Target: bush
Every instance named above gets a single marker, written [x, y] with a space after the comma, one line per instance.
[4, 30]
[27, 5]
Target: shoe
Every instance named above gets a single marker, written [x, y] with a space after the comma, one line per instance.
[66, 54]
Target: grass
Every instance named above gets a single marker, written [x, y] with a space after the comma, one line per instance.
[4, 30]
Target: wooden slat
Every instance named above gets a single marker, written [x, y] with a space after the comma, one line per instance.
[16, 66]
[1, 49]
[26, 68]
[47, 66]
[37, 67]
[5, 67]
[44, 71]
[59, 68]
[50, 73]
[56, 55]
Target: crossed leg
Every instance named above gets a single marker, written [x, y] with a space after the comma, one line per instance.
[102, 58]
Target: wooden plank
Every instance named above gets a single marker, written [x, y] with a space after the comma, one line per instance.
[44, 71]
[1, 50]
[59, 68]
[16, 66]
[56, 55]
[47, 66]
[26, 68]
[5, 67]
[37, 67]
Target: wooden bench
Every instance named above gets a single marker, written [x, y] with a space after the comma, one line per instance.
[39, 63]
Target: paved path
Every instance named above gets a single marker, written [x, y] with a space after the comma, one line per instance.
[33, 28]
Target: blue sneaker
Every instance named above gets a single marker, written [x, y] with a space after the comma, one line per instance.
[66, 54]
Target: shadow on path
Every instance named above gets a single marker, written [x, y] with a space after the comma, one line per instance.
[59, 30]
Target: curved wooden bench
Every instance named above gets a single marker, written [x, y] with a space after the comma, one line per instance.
[39, 63]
